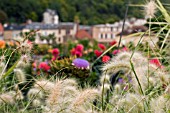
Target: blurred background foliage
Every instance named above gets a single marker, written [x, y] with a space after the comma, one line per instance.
[86, 11]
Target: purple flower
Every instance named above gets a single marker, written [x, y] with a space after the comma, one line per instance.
[120, 80]
[81, 63]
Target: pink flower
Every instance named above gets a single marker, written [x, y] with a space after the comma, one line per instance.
[113, 42]
[44, 66]
[156, 62]
[101, 46]
[73, 51]
[79, 48]
[97, 53]
[78, 54]
[55, 52]
[116, 52]
[54, 58]
[124, 49]
[105, 58]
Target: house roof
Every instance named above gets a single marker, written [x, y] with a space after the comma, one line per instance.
[38, 25]
[134, 29]
[83, 34]
[14, 27]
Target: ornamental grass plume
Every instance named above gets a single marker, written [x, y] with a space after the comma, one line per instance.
[139, 77]
[130, 103]
[150, 9]
[2, 65]
[35, 93]
[160, 104]
[7, 98]
[20, 75]
[44, 85]
[84, 96]
[53, 98]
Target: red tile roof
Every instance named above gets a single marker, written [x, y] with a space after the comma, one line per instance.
[1, 28]
[83, 34]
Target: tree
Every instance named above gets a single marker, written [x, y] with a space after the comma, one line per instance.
[3, 16]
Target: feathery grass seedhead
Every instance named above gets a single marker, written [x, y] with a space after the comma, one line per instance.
[7, 98]
[131, 103]
[24, 61]
[164, 78]
[142, 76]
[85, 96]
[160, 104]
[55, 94]
[105, 79]
[152, 81]
[113, 67]
[104, 88]
[2, 65]
[20, 75]
[150, 9]
[26, 47]
[36, 103]
[35, 93]
[44, 85]
[117, 89]
[70, 82]
[18, 93]
[167, 90]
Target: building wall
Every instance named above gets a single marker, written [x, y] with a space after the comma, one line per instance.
[11, 34]
[105, 33]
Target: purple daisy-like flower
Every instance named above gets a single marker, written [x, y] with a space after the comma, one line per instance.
[81, 63]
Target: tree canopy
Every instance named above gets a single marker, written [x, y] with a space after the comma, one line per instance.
[86, 11]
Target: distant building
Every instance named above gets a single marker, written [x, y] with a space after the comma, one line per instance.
[105, 32]
[12, 31]
[109, 32]
[61, 31]
[50, 17]
[83, 31]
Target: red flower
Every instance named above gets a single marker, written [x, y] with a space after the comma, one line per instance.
[105, 58]
[124, 49]
[97, 53]
[113, 42]
[79, 48]
[73, 51]
[101, 46]
[44, 66]
[115, 52]
[55, 52]
[156, 62]
[78, 54]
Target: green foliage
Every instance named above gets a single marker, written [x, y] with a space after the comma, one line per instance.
[85, 11]
[3, 16]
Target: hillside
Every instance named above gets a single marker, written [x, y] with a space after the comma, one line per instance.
[86, 11]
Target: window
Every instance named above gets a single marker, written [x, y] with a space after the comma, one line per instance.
[101, 36]
[111, 28]
[112, 36]
[59, 31]
[105, 36]
[59, 39]
[67, 31]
